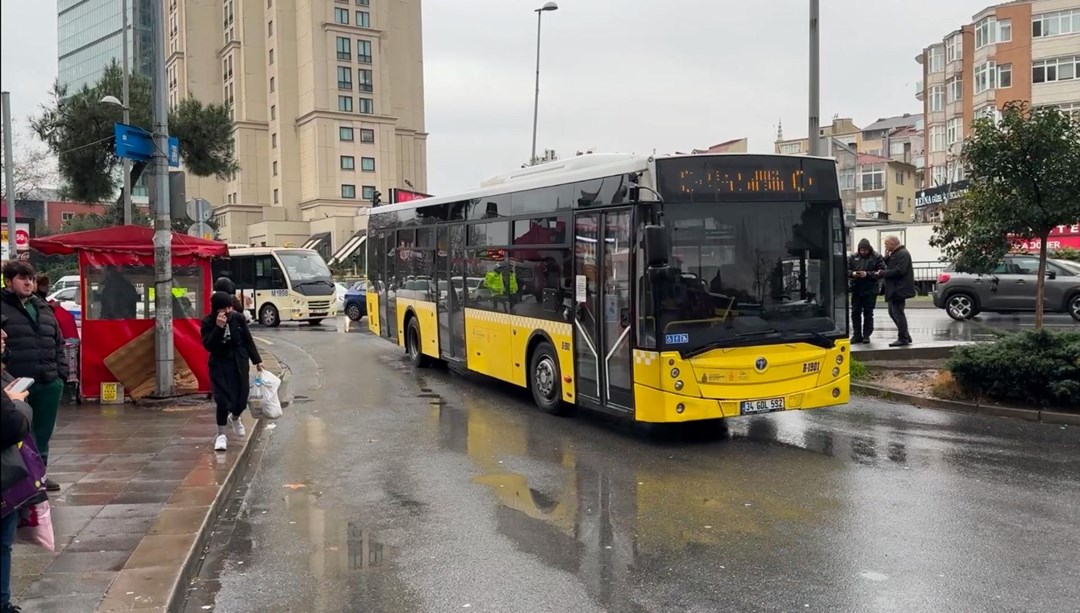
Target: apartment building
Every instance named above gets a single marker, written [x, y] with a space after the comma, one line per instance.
[328, 102]
[1025, 50]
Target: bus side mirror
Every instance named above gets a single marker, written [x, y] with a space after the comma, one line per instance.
[657, 246]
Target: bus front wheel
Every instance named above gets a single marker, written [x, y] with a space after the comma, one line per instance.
[545, 380]
[268, 316]
[413, 345]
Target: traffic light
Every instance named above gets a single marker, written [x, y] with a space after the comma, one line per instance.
[375, 198]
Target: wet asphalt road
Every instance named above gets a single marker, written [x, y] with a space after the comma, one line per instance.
[385, 489]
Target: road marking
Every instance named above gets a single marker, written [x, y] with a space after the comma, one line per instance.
[263, 340]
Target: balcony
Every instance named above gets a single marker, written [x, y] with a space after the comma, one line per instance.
[920, 91]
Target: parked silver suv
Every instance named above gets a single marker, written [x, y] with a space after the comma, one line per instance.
[1009, 289]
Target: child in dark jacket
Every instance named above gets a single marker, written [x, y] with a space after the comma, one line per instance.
[226, 337]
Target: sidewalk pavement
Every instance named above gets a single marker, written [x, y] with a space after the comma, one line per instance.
[138, 486]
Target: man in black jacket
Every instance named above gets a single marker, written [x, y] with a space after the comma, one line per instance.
[35, 349]
[899, 286]
[863, 267]
[227, 339]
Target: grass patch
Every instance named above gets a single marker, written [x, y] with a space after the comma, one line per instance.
[859, 371]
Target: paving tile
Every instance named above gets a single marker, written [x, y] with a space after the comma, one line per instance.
[66, 478]
[161, 550]
[113, 542]
[97, 487]
[68, 584]
[206, 476]
[92, 499]
[187, 520]
[109, 525]
[87, 561]
[135, 497]
[194, 496]
[164, 474]
[140, 588]
[61, 604]
[125, 511]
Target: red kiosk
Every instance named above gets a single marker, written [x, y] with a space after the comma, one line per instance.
[116, 266]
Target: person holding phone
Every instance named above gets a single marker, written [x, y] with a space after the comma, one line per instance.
[863, 268]
[226, 337]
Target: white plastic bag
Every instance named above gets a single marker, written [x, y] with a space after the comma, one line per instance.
[263, 398]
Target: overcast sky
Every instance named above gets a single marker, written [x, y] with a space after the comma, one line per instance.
[625, 76]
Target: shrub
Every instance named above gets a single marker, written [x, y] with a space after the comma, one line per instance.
[1066, 253]
[1033, 367]
[945, 386]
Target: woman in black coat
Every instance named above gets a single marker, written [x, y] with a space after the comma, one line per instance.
[226, 337]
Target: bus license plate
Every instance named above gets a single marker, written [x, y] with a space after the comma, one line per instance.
[751, 407]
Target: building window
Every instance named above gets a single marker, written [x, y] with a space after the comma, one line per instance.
[1056, 23]
[366, 135]
[363, 19]
[348, 191]
[277, 199]
[956, 89]
[899, 204]
[363, 51]
[273, 140]
[270, 28]
[271, 56]
[937, 99]
[937, 138]
[954, 51]
[368, 192]
[367, 106]
[1057, 69]
[1004, 76]
[271, 85]
[985, 77]
[847, 179]
[363, 2]
[937, 59]
[341, 16]
[344, 104]
[1004, 30]
[938, 175]
[344, 49]
[899, 177]
[957, 173]
[791, 148]
[345, 134]
[954, 131]
[344, 78]
[274, 167]
[273, 112]
[67, 216]
[988, 31]
[1072, 109]
[872, 177]
[348, 162]
[365, 81]
[367, 164]
[872, 205]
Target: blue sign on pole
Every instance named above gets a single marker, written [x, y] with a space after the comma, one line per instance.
[134, 143]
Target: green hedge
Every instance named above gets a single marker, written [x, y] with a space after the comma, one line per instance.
[1037, 368]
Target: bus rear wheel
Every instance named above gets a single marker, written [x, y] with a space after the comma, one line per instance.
[545, 380]
[413, 345]
[268, 316]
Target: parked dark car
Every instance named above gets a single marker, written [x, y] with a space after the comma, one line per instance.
[1010, 288]
[356, 301]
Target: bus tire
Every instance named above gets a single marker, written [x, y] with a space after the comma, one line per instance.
[545, 380]
[414, 344]
[269, 317]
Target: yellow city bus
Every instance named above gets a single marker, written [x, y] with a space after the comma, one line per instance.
[662, 289]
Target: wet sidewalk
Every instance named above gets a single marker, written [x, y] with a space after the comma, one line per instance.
[138, 485]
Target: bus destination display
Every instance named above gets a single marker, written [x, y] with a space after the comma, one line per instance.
[730, 178]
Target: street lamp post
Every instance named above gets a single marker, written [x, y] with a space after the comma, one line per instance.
[549, 6]
[127, 112]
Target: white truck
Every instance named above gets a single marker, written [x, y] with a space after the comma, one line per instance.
[926, 260]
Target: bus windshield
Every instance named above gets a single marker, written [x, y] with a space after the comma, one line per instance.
[750, 273]
[303, 267]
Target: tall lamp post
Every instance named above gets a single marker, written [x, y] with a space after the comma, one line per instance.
[548, 6]
[127, 112]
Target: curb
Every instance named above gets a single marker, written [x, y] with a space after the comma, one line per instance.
[908, 353]
[191, 562]
[993, 410]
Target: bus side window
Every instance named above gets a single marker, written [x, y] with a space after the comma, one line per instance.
[268, 273]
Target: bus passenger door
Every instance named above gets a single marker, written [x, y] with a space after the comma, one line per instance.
[602, 317]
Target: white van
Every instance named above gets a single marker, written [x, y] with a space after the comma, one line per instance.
[64, 283]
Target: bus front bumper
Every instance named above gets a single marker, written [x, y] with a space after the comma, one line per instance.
[658, 406]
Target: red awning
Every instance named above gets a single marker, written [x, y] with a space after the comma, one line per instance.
[137, 240]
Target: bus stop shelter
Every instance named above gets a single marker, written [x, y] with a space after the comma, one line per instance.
[116, 269]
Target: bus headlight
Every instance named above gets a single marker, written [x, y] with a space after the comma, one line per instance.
[678, 385]
[674, 373]
[836, 371]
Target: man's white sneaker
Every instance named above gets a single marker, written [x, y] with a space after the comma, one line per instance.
[220, 443]
[237, 425]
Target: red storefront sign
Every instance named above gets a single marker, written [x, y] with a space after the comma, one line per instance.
[1061, 237]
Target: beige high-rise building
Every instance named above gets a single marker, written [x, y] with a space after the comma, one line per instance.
[328, 102]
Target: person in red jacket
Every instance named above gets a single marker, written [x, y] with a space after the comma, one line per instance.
[68, 326]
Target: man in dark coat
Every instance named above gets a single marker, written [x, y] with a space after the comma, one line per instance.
[35, 349]
[899, 286]
[863, 266]
[230, 344]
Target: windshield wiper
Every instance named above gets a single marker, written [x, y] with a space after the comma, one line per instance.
[317, 281]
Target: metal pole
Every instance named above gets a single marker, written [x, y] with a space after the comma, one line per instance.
[815, 82]
[127, 112]
[163, 225]
[536, 100]
[9, 175]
